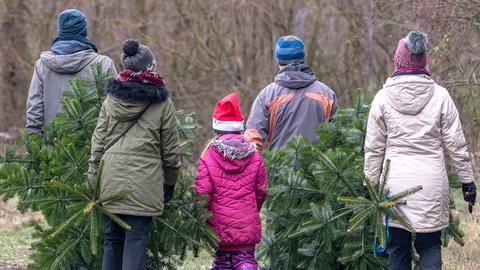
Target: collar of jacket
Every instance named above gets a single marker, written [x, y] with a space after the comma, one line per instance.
[134, 91]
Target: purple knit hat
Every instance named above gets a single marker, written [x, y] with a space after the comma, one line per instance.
[412, 51]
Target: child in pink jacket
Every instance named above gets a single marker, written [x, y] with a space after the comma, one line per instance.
[232, 173]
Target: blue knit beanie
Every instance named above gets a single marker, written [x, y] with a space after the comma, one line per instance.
[289, 49]
[72, 22]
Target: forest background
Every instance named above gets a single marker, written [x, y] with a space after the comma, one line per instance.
[207, 48]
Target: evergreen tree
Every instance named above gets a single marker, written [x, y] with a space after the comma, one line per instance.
[51, 178]
[316, 215]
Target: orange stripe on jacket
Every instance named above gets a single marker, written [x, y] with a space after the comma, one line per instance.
[204, 151]
[273, 107]
[327, 103]
[252, 135]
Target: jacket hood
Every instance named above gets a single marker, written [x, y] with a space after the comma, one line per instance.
[125, 101]
[409, 94]
[232, 153]
[295, 76]
[68, 63]
[135, 91]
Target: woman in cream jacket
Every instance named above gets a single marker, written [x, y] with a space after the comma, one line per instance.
[414, 123]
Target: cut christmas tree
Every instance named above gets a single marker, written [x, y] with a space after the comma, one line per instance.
[316, 216]
[51, 178]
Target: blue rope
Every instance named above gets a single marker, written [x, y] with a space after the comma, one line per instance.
[381, 248]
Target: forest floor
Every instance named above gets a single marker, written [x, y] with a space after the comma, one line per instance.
[16, 237]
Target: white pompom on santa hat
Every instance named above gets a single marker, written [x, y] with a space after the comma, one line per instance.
[227, 115]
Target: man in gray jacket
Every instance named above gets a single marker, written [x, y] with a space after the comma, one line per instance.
[71, 55]
[294, 104]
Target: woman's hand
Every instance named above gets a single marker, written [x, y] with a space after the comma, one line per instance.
[366, 193]
[167, 192]
[469, 194]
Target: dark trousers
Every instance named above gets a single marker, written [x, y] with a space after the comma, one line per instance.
[427, 245]
[126, 250]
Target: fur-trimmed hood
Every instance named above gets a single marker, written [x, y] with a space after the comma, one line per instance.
[125, 101]
[232, 152]
[234, 149]
[134, 91]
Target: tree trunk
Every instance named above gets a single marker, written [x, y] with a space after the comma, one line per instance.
[13, 53]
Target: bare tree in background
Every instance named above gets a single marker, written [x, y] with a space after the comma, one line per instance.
[15, 61]
[207, 48]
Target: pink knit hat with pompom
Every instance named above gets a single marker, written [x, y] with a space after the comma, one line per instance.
[412, 51]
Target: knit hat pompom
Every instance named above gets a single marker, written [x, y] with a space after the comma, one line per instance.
[412, 51]
[130, 47]
[417, 42]
[137, 57]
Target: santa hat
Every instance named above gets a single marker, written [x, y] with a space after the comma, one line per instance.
[227, 115]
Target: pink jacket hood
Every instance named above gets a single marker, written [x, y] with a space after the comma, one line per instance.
[232, 153]
[233, 175]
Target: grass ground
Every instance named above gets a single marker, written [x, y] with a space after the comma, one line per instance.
[467, 257]
[201, 263]
[16, 237]
[15, 246]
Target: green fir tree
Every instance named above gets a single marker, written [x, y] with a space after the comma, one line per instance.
[316, 216]
[51, 178]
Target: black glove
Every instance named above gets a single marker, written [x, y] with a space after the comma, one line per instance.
[469, 192]
[366, 193]
[167, 192]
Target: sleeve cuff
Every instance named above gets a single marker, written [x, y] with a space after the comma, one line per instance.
[171, 176]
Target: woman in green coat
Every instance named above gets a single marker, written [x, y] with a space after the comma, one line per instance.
[137, 140]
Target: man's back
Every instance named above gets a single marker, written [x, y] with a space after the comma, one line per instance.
[51, 78]
[70, 56]
[294, 104]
